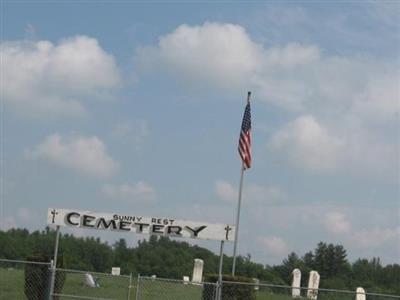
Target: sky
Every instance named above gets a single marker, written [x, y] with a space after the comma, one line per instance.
[136, 107]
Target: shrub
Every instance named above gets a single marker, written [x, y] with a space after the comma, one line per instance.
[231, 291]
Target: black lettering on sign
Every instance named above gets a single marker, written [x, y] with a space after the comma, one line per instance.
[69, 216]
[86, 219]
[124, 225]
[174, 230]
[157, 229]
[195, 231]
[139, 227]
[103, 224]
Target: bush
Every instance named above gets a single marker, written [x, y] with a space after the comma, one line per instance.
[233, 291]
[38, 277]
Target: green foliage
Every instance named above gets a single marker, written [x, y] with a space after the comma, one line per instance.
[173, 259]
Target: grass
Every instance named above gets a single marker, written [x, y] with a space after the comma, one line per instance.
[116, 287]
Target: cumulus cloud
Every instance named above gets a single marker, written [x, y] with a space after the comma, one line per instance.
[7, 223]
[336, 222]
[219, 54]
[376, 237]
[306, 143]
[131, 131]
[252, 193]
[139, 192]
[86, 155]
[293, 76]
[46, 79]
[274, 245]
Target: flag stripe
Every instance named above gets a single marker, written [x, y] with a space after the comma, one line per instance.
[245, 138]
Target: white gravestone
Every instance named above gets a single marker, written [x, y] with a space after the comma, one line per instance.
[115, 271]
[89, 280]
[186, 279]
[360, 294]
[296, 283]
[256, 284]
[313, 284]
[198, 271]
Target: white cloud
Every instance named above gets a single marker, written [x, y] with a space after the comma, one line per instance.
[131, 131]
[376, 237]
[336, 222]
[346, 147]
[274, 245]
[251, 192]
[226, 191]
[43, 79]
[306, 143]
[219, 54]
[86, 155]
[139, 192]
[7, 223]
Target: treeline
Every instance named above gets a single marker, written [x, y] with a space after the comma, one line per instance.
[173, 259]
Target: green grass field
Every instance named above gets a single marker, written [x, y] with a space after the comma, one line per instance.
[116, 287]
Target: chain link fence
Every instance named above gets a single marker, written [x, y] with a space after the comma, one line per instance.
[21, 279]
[149, 288]
[93, 285]
[29, 280]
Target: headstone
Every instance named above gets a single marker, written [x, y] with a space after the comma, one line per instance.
[313, 284]
[153, 276]
[257, 282]
[115, 271]
[296, 291]
[186, 279]
[89, 280]
[360, 294]
[197, 276]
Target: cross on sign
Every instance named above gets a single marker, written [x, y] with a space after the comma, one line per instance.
[54, 213]
[227, 229]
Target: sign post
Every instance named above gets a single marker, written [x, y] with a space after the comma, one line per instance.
[221, 258]
[54, 263]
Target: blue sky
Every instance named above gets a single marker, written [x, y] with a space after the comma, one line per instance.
[136, 107]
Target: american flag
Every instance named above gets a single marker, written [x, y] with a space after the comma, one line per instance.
[245, 137]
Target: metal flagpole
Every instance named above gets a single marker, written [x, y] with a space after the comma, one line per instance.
[237, 221]
[238, 208]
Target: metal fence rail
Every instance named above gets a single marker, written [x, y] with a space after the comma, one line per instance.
[21, 279]
[149, 288]
[93, 285]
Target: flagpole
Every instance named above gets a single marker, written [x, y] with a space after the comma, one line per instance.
[237, 221]
[238, 209]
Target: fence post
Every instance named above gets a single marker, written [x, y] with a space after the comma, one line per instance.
[130, 286]
[138, 288]
[54, 264]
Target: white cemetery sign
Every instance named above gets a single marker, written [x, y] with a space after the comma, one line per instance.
[139, 224]
[197, 276]
[296, 283]
[360, 294]
[313, 284]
